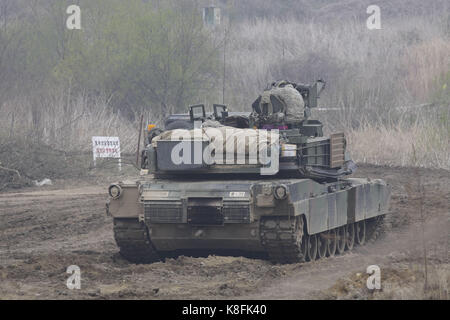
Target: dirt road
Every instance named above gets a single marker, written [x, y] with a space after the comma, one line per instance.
[43, 231]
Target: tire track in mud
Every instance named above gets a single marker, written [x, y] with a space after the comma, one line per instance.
[39, 220]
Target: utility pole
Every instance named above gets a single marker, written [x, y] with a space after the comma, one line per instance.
[139, 141]
[224, 67]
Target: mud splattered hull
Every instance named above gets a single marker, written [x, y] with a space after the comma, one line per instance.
[291, 220]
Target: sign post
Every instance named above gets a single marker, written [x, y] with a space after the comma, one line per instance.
[106, 147]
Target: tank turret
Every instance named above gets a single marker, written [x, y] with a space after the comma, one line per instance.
[284, 107]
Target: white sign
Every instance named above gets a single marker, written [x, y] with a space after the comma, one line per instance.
[106, 147]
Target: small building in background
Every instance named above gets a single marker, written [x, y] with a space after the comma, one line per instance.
[211, 16]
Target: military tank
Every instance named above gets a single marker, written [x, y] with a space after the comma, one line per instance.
[204, 187]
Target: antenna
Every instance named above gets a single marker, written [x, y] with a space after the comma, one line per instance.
[224, 66]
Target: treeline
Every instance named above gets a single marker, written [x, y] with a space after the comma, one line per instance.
[138, 55]
[61, 87]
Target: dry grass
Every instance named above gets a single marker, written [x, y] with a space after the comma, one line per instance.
[394, 146]
[66, 124]
[376, 78]
[425, 63]
[50, 136]
[397, 283]
[378, 69]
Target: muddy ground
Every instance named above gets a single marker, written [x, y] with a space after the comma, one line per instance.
[45, 230]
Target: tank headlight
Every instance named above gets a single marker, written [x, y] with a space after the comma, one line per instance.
[280, 192]
[115, 191]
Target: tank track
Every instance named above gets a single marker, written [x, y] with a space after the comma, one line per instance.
[285, 239]
[282, 238]
[134, 242]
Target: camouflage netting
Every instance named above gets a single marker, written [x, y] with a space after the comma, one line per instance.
[292, 103]
[242, 139]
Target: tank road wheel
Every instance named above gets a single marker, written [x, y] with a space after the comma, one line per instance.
[133, 240]
[283, 239]
[360, 232]
[341, 239]
[350, 236]
[331, 243]
[322, 243]
[311, 248]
